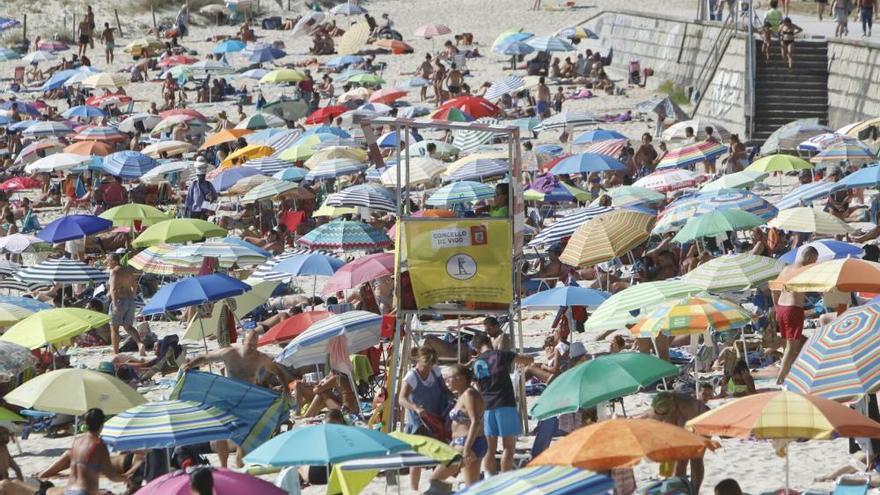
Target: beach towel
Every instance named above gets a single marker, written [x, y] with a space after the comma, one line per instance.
[259, 410]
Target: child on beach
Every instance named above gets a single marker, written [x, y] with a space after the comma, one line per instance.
[558, 98]
[767, 35]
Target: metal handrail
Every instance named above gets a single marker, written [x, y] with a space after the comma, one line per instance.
[707, 72]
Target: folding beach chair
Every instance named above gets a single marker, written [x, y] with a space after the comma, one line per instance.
[852, 484]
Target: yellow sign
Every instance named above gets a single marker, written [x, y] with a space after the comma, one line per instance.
[458, 260]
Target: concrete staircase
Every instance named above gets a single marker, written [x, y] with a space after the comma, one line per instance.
[783, 94]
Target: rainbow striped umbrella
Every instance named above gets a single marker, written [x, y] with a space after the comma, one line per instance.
[669, 180]
[853, 152]
[151, 260]
[165, 424]
[691, 315]
[100, 134]
[692, 153]
[606, 237]
[840, 361]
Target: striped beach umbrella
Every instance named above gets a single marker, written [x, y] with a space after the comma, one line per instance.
[108, 134]
[625, 307]
[128, 164]
[865, 177]
[817, 144]
[606, 237]
[167, 424]
[83, 111]
[366, 196]
[267, 165]
[568, 119]
[809, 219]
[805, 194]
[733, 272]
[544, 480]
[587, 162]
[560, 193]
[306, 264]
[683, 209]
[611, 147]
[63, 271]
[788, 136]
[461, 192]
[227, 254]
[168, 148]
[716, 223]
[360, 329]
[677, 131]
[346, 235]
[277, 139]
[845, 275]
[691, 315]
[272, 188]
[630, 195]
[854, 153]
[184, 170]
[46, 129]
[334, 168]
[827, 249]
[501, 87]
[550, 44]
[421, 170]
[669, 180]
[479, 170]
[471, 139]
[566, 225]
[840, 361]
[597, 136]
[691, 154]
[151, 260]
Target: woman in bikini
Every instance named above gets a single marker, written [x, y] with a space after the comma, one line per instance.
[467, 427]
[787, 31]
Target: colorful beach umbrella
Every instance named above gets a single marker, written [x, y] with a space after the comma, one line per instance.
[669, 180]
[691, 315]
[691, 154]
[227, 254]
[854, 153]
[543, 480]
[623, 443]
[151, 261]
[74, 391]
[346, 235]
[226, 482]
[14, 358]
[166, 424]
[839, 361]
[606, 237]
[107, 134]
[624, 307]
[360, 330]
[61, 270]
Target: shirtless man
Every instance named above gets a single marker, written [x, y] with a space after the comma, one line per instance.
[500, 340]
[87, 459]
[122, 288]
[243, 362]
[437, 78]
[542, 102]
[790, 312]
[424, 71]
[454, 81]
[7, 485]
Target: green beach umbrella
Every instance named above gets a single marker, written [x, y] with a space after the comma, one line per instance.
[178, 230]
[625, 307]
[716, 223]
[779, 163]
[366, 79]
[6, 416]
[126, 215]
[629, 195]
[604, 378]
[734, 272]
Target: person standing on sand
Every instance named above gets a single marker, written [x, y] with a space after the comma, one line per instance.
[677, 409]
[109, 42]
[790, 313]
[90, 20]
[84, 37]
[424, 71]
[122, 288]
[438, 77]
[542, 101]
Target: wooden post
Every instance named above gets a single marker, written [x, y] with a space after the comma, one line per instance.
[153, 13]
[24, 30]
[118, 24]
[73, 28]
[288, 4]
[64, 26]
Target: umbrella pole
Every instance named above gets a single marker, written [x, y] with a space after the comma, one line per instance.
[204, 339]
[657, 352]
[786, 469]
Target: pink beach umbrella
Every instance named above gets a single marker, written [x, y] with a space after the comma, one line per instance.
[226, 482]
[432, 30]
[360, 271]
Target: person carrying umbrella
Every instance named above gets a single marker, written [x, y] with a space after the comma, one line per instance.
[677, 409]
[201, 193]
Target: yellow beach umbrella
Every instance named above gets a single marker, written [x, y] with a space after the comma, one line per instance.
[279, 76]
[333, 211]
[809, 219]
[224, 136]
[248, 152]
[11, 314]
[486, 155]
[335, 153]
[606, 237]
[140, 45]
[53, 326]
[354, 39]
[105, 80]
[74, 391]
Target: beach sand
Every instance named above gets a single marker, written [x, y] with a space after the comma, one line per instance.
[753, 464]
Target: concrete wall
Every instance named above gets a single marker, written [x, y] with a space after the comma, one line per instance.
[853, 82]
[677, 51]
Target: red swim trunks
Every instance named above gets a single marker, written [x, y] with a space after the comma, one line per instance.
[790, 320]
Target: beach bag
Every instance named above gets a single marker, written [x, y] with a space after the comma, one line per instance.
[670, 486]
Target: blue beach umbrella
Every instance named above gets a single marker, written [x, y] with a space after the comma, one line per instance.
[243, 243]
[550, 44]
[864, 177]
[26, 303]
[227, 178]
[327, 444]
[596, 136]
[461, 192]
[587, 162]
[327, 129]
[85, 111]
[311, 264]
[128, 164]
[543, 480]
[167, 424]
[344, 60]
[360, 330]
[292, 174]
[516, 48]
[193, 291]
[228, 46]
[71, 227]
[22, 107]
[561, 297]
